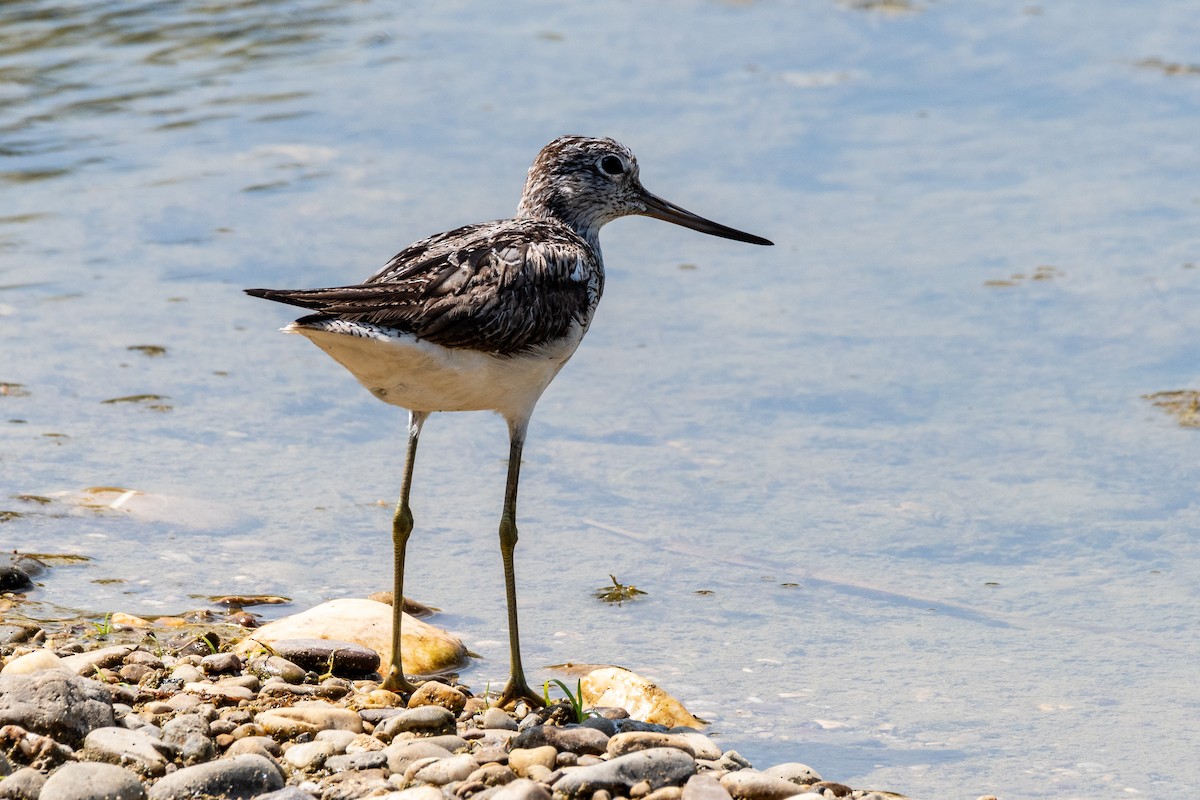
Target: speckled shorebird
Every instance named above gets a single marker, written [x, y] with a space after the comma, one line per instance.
[482, 318]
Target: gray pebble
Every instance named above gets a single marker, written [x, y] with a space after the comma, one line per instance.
[145, 658]
[133, 673]
[339, 739]
[55, 703]
[449, 741]
[636, 725]
[498, 719]
[308, 755]
[189, 732]
[602, 724]
[221, 664]
[104, 658]
[402, 754]
[236, 778]
[492, 774]
[577, 739]
[140, 752]
[663, 766]
[522, 789]
[447, 770]
[633, 741]
[424, 720]
[794, 772]
[750, 784]
[370, 759]
[24, 784]
[277, 667]
[704, 787]
[287, 793]
[354, 784]
[187, 673]
[84, 780]
[256, 745]
[6, 766]
[702, 746]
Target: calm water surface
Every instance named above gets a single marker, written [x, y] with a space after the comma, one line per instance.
[892, 487]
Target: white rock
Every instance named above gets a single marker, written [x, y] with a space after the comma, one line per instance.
[309, 755]
[36, 661]
[368, 623]
[613, 686]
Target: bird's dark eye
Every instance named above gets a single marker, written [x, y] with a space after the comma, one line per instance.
[611, 165]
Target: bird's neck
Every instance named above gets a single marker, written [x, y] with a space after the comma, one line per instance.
[583, 221]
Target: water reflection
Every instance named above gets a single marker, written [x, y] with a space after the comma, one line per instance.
[62, 66]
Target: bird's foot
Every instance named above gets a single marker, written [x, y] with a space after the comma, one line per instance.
[395, 681]
[517, 690]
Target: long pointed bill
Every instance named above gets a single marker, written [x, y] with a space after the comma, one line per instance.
[669, 212]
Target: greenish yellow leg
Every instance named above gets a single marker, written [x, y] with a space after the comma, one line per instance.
[402, 525]
[517, 688]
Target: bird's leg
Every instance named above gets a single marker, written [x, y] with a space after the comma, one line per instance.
[402, 525]
[516, 689]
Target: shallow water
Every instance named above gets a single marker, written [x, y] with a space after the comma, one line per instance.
[900, 508]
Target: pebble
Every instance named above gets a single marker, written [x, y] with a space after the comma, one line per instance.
[522, 789]
[702, 746]
[55, 703]
[277, 667]
[13, 578]
[371, 759]
[24, 784]
[520, 759]
[34, 661]
[497, 719]
[418, 793]
[492, 774]
[577, 739]
[309, 717]
[435, 693]
[794, 772]
[221, 664]
[309, 756]
[703, 786]
[84, 780]
[208, 725]
[633, 741]
[447, 770]
[143, 754]
[328, 656]
[242, 776]
[287, 793]
[257, 745]
[403, 753]
[663, 766]
[343, 739]
[104, 658]
[750, 784]
[425, 720]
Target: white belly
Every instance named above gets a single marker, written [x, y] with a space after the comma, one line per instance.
[403, 370]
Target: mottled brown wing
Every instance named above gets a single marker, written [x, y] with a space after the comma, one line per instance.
[502, 288]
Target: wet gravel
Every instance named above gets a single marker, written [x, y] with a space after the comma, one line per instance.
[91, 715]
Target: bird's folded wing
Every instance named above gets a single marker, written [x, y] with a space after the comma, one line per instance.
[497, 289]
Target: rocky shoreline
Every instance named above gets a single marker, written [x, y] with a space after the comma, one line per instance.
[84, 718]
